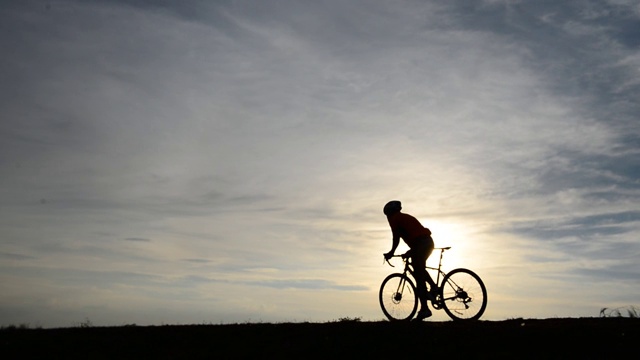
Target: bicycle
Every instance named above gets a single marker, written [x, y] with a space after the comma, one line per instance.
[461, 293]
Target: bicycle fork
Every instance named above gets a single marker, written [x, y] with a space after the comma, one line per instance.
[398, 295]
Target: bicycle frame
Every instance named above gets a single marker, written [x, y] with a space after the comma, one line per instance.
[408, 266]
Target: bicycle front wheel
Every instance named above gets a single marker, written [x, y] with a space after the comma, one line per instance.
[464, 296]
[398, 298]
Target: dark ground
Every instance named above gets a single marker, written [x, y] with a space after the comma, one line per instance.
[583, 338]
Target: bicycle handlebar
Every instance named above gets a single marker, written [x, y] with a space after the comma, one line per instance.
[404, 256]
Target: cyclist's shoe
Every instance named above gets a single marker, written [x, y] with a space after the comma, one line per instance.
[423, 314]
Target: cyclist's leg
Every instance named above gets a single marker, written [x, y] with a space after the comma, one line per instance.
[430, 246]
[419, 256]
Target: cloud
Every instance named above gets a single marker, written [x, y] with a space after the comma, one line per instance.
[315, 284]
[309, 284]
[601, 236]
[137, 239]
[198, 261]
[12, 256]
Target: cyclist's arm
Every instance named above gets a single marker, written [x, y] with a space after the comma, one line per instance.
[395, 241]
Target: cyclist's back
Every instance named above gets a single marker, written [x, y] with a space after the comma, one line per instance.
[407, 227]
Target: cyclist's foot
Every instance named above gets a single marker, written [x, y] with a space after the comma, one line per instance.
[423, 314]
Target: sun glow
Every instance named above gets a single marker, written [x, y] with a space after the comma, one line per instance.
[448, 234]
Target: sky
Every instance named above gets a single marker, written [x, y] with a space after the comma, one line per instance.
[212, 162]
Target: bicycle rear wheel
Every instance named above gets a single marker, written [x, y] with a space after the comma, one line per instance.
[464, 296]
[398, 298]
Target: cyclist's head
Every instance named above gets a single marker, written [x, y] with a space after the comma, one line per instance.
[392, 207]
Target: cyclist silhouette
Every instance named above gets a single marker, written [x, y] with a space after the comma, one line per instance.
[419, 240]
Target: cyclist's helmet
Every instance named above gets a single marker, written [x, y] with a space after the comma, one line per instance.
[392, 207]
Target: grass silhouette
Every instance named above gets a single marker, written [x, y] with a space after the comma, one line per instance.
[631, 311]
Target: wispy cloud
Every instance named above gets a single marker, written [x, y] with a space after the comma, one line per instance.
[137, 239]
[198, 261]
[12, 256]
[316, 284]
